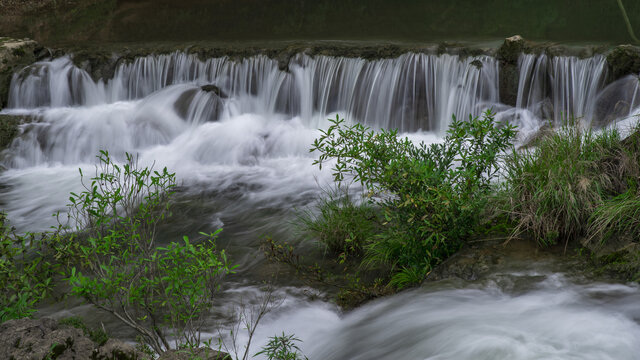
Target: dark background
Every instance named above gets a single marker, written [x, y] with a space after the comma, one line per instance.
[239, 20]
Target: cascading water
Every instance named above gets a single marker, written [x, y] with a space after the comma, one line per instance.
[240, 148]
[411, 92]
[560, 88]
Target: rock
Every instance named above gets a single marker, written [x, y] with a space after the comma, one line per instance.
[116, 349]
[214, 89]
[511, 49]
[214, 103]
[39, 339]
[508, 55]
[203, 353]
[614, 101]
[466, 265]
[624, 60]
[9, 129]
[99, 64]
[15, 54]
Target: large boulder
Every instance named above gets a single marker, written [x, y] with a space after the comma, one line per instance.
[624, 60]
[43, 339]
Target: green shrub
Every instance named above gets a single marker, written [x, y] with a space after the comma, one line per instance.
[26, 274]
[430, 195]
[161, 292]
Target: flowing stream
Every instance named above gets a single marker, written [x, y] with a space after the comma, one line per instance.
[242, 159]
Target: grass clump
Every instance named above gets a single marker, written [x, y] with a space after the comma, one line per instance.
[343, 225]
[575, 185]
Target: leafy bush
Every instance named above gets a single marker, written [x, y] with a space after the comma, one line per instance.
[161, 292]
[282, 348]
[430, 195]
[26, 274]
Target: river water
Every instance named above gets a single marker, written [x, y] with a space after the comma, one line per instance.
[243, 164]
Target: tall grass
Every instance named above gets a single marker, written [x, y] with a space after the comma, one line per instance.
[345, 226]
[575, 184]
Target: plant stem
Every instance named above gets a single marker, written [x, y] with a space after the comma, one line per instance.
[627, 22]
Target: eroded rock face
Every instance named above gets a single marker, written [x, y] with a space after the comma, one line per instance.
[15, 54]
[40, 339]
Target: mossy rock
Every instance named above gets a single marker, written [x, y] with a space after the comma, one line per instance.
[624, 60]
[9, 129]
[15, 54]
[511, 49]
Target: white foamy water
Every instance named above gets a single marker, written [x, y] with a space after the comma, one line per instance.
[511, 316]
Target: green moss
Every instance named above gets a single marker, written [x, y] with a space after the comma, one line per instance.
[624, 60]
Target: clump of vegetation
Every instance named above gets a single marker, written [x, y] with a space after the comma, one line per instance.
[343, 225]
[430, 196]
[573, 178]
[282, 347]
[161, 292]
[26, 272]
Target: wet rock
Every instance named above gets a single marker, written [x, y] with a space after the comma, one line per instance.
[9, 129]
[624, 60]
[534, 139]
[508, 55]
[614, 101]
[15, 54]
[468, 265]
[38, 339]
[511, 49]
[99, 64]
[200, 353]
[209, 100]
[214, 89]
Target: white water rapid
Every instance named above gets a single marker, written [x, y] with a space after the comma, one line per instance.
[242, 158]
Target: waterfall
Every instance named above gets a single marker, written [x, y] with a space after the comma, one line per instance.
[224, 121]
[411, 92]
[561, 87]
